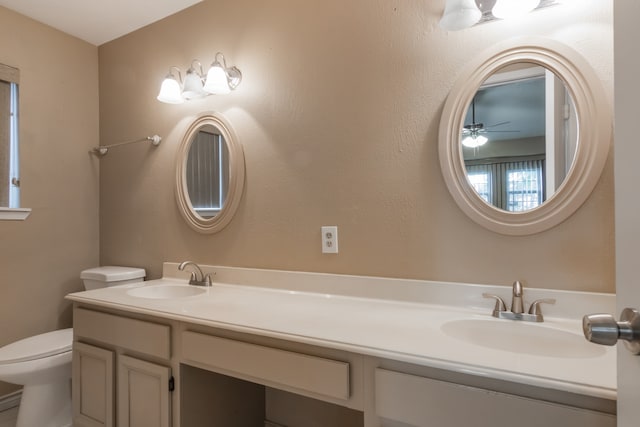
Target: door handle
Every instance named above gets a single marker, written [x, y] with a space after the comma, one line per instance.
[603, 329]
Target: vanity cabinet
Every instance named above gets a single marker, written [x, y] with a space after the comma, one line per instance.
[403, 399]
[124, 363]
[113, 384]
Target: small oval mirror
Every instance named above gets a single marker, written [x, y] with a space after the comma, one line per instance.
[524, 190]
[209, 174]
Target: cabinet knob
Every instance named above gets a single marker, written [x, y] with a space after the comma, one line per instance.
[604, 329]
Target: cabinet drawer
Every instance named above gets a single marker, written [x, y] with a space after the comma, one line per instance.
[420, 401]
[268, 365]
[132, 334]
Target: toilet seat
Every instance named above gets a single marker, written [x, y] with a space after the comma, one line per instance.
[37, 347]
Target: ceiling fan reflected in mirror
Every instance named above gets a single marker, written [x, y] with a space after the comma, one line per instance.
[472, 133]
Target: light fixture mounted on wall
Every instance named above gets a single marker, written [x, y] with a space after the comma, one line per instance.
[220, 79]
[461, 14]
[509, 9]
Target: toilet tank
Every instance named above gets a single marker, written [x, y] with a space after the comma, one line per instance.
[102, 277]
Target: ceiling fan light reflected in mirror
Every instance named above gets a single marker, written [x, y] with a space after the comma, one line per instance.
[474, 141]
[508, 9]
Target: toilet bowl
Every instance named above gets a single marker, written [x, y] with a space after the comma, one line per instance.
[42, 363]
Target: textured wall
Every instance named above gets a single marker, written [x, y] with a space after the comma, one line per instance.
[338, 114]
[41, 258]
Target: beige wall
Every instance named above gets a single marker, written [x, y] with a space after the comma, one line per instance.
[40, 258]
[338, 114]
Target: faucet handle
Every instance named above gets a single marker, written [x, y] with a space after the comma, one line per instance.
[208, 281]
[500, 305]
[535, 306]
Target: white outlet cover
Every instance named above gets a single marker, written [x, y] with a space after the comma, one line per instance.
[329, 239]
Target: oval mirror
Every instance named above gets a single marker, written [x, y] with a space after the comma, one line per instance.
[524, 136]
[209, 174]
[519, 137]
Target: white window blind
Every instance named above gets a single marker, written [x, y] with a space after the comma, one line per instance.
[514, 185]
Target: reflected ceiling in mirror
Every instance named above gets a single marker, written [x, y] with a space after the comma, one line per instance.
[577, 135]
[519, 137]
[209, 174]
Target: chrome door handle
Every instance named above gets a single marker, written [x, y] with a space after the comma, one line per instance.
[603, 329]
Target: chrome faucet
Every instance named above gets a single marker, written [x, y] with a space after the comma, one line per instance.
[517, 306]
[197, 278]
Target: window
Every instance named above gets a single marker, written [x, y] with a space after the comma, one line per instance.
[9, 178]
[207, 173]
[9, 154]
[513, 185]
[481, 182]
[524, 187]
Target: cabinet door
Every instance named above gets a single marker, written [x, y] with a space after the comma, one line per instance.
[92, 386]
[143, 393]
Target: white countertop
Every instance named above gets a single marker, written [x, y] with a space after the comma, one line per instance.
[413, 332]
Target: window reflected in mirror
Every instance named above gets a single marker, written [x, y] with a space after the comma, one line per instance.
[207, 172]
[9, 156]
[519, 137]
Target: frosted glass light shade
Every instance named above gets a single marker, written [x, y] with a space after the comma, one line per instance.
[170, 91]
[507, 9]
[460, 14]
[217, 82]
[193, 86]
[474, 141]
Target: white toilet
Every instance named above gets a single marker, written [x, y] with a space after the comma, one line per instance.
[42, 363]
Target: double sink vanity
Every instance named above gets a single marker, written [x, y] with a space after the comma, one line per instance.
[277, 348]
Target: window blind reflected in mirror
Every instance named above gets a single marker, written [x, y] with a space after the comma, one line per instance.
[207, 173]
[513, 185]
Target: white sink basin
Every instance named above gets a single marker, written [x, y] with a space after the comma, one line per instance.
[166, 291]
[523, 338]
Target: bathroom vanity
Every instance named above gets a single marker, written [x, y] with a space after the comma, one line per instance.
[273, 348]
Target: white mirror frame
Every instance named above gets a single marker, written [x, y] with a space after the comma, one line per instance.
[236, 175]
[594, 135]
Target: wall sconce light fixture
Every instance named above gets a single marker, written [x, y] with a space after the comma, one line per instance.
[193, 86]
[170, 91]
[461, 14]
[508, 9]
[220, 79]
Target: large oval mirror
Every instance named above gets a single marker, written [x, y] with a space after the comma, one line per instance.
[519, 137]
[209, 174]
[524, 136]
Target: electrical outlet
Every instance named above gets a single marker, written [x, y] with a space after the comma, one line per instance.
[329, 239]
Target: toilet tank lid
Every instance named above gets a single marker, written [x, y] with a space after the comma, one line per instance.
[113, 273]
[37, 346]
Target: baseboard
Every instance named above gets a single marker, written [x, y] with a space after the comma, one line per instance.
[10, 400]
